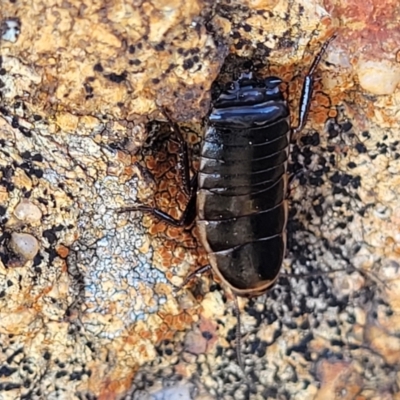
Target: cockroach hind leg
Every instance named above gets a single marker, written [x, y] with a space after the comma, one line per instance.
[199, 271]
[238, 333]
[185, 219]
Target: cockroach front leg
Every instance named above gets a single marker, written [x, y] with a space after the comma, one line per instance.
[307, 90]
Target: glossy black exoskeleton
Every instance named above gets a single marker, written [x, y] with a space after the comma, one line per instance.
[239, 198]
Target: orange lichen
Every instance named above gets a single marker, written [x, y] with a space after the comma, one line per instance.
[62, 251]
[173, 232]
[157, 228]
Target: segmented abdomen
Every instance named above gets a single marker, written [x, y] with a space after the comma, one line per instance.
[241, 204]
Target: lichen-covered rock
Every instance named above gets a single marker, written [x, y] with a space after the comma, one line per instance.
[93, 313]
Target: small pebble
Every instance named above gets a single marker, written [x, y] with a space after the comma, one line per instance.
[24, 245]
[27, 211]
[378, 77]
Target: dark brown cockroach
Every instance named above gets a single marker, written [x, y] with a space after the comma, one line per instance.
[239, 195]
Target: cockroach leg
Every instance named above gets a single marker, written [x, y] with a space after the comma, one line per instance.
[187, 218]
[192, 275]
[238, 332]
[308, 88]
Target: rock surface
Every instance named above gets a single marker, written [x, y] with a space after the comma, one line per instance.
[93, 314]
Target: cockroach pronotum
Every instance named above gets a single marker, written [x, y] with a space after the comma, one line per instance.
[239, 195]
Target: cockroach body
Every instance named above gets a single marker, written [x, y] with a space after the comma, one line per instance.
[242, 181]
[239, 195]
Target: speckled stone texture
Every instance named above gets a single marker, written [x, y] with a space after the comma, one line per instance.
[87, 302]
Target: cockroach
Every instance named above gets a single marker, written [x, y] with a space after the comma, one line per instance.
[238, 197]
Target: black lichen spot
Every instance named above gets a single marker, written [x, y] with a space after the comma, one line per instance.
[235, 35]
[88, 88]
[2, 211]
[345, 179]
[169, 352]
[25, 131]
[383, 149]
[26, 155]
[155, 80]
[360, 147]
[135, 62]
[318, 210]
[7, 371]
[352, 165]
[340, 225]
[42, 200]
[346, 127]
[2, 71]
[37, 260]
[131, 49]
[117, 78]
[246, 27]
[98, 68]
[316, 181]
[188, 63]
[240, 44]
[356, 182]
[264, 49]
[333, 130]
[14, 122]
[365, 134]
[25, 166]
[4, 111]
[60, 374]
[37, 117]
[170, 68]
[37, 172]
[10, 359]
[50, 236]
[160, 46]
[285, 43]
[37, 157]
[262, 349]
[10, 386]
[52, 254]
[207, 335]
[76, 375]
[312, 140]
[335, 178]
